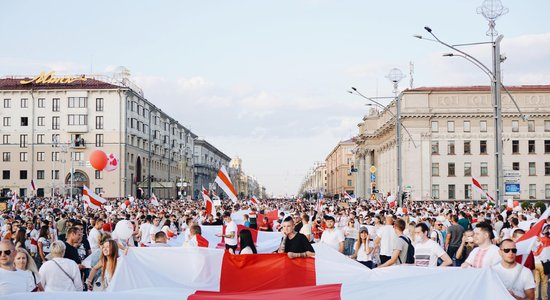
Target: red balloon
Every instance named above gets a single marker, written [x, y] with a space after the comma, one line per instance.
[516, 203]
[98, 160]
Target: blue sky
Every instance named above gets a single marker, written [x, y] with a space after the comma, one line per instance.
[270, 75]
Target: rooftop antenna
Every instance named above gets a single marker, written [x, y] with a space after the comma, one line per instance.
[491, 10]
[411, 73]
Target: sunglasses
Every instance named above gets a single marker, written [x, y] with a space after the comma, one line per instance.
[507, 250]
[5, 252]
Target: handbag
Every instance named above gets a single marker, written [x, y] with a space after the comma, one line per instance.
[65, 272]
[546, 267]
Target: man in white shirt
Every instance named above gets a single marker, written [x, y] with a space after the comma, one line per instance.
[144, 230]
[230, 234]
[385, 240]
[332, 237]
[427, 251]
[12, 280]
[486, 254]
[156, 227]
[95, 234]
[516, 278]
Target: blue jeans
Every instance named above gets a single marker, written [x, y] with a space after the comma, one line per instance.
[348, 246]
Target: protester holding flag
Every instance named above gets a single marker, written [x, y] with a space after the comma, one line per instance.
[518, 280]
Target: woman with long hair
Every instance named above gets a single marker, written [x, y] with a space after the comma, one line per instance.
[107, 264]
[23, 261]
[8, 235]
[246, 242]
[20, 238]
[364, 248]
[44, 242]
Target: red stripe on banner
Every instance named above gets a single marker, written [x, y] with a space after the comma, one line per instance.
[272, 216]
[320, 292]
[253, 232]
[227, 182]
[256, 272]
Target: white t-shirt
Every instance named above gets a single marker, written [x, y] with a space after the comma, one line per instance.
[55, 280]
[306, 230]
[482, 258]
[524, 281]
[427, 253]
[332, 238]
[144, 230]
[45, 244]
[246, 250]
[362, 253]
[93, 239]
[387, 239]
[154, 229]
[15, 282]
[231, 227]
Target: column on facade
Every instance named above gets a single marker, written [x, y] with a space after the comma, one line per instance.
[368, 163]
[359, 175]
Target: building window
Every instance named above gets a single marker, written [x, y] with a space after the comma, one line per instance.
[547, 191]
[483, 126]
[99, 122]
[55, 123]
[531, 125]
[451, 169]
[40, 156]
[484, 169]
[78, 120]
[22, 174]
[547, 168]
[98, 190]
[546, 125]
[435, 147]
[452, 191]
[467, 126]
[41, 102]
[532, 191]
[98, 175]
[515, 126]
[515, 147]
[55, 104]
[435, 191]
[5, 139]
[515, 166]
[24, 102]
[6, 156]
[467, 147]
[482, 147]
[451, 147]
[435, 169]
[467, 191]
[5, 174]
[40, 139]
[40, 121]
[23, 141]
[450, 126]
[99, 140]
[55, 174]
[7, 103]
[467, 169]
[22, 156]
[532, 169]
[77, 156]
[546, 146]
[435, 126]
[24, 121]
[531, 147]
[349, 183]
[39, 174]
[78, 102]
[55, 156]
[6, 121]
[99, 104]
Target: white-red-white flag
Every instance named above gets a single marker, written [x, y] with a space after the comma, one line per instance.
[225, 183]
[92, 199]
[527, 243]
[348, 196]
[207, 201]
[478, 187]
[254, 201]
[154, 200]
[14, 200]
[32, 186]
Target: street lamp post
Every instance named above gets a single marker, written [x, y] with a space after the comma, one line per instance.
[395, 76]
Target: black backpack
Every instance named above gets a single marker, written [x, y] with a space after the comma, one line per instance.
[410, 251]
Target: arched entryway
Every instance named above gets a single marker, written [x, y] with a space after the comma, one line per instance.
[80, 179]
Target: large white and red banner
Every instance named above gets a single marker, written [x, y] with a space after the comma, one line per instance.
[91, 199]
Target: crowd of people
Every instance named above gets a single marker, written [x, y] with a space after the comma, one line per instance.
[50, 244]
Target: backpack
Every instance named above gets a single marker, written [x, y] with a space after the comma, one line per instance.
[410, 251]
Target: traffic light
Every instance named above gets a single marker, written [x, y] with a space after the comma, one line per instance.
[373, 188]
